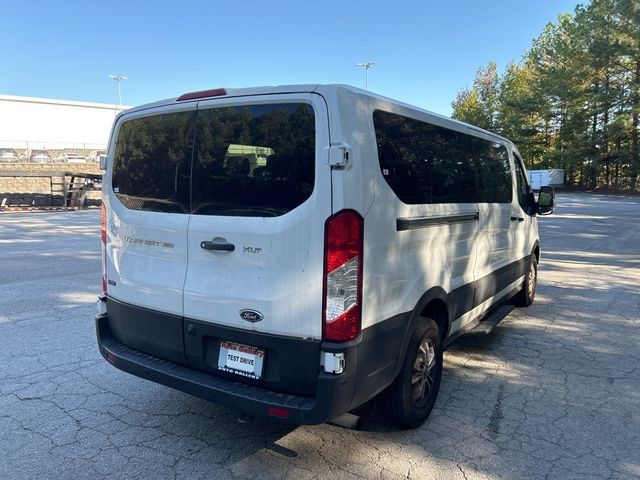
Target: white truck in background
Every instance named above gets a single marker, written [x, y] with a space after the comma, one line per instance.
[553, 177]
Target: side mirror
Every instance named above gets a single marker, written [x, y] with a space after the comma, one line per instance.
[103, 162]
[546, 201]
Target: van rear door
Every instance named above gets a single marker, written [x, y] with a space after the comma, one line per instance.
[147, 198]
[261, 193]
[147, 193]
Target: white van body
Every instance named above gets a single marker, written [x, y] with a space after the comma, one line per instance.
[194, 289]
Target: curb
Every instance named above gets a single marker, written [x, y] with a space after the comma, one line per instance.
[36, 209]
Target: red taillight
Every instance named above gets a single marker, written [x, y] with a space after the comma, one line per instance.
[216, 92]
[342, 303]
[103, 238]
[278, 412]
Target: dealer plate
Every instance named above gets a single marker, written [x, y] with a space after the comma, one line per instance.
[241, 359]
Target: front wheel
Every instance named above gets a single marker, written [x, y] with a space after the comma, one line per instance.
[525, 296]
[410, 398]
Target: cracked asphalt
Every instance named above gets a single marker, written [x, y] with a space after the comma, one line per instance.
[553, 392]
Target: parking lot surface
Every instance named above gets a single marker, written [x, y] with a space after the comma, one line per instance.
[553, 392]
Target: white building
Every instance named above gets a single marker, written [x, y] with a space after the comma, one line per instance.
[28, 123]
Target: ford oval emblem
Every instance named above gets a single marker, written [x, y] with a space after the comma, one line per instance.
[251, 316]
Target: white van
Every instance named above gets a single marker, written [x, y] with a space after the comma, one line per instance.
[334, 270]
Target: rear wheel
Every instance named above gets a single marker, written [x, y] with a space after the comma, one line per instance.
[525, 296]
[410, 398]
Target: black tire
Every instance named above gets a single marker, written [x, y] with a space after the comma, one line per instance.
[525, 296]
[408, 401]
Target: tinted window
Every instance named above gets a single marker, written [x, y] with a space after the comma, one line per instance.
[521, 184]
[424, 163]
[152, 161]
[256, 160]
[494, 173]
[248, 161]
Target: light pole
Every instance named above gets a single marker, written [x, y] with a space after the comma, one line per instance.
[117, 78]
[367, 66]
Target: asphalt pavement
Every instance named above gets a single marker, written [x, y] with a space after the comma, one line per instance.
[553, 392]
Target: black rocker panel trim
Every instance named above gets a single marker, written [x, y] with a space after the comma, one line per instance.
[466, 297]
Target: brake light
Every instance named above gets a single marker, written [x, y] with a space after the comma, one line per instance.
[216, 92]
[103, 238]
[342, 306]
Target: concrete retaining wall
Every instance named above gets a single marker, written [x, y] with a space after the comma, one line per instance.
[38, 190]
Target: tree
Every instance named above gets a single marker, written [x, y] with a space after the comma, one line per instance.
[628, 14]
[573, 101]
[479, 106]
[467, 108]
[519, 111]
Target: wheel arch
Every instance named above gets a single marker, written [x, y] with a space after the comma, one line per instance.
[433, 304]
[536, 250]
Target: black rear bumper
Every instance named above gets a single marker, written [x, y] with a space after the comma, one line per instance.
[334, 393]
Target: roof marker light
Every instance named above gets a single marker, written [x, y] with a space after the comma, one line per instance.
[216, 92]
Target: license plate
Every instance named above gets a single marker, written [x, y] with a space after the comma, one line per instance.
[241, 359]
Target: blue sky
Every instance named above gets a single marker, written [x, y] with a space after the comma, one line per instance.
[425, 51]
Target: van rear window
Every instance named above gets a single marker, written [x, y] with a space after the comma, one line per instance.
[152, 162]
[255, 160]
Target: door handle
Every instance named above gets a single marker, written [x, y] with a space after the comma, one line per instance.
[224, 247]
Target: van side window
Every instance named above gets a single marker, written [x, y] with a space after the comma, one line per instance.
[495, 184]
[521, 184]
[152, 161]
[256, 161]
[424, 163]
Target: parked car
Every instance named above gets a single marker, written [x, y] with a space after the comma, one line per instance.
[94, 156]
[39, 156]
[8, 155]
[376, 234]
[70, 158]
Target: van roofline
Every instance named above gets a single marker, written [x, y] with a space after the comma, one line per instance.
[315, 88]
[461, 124]
[232, 92]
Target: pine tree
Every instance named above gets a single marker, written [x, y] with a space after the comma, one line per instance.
[573, 102]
